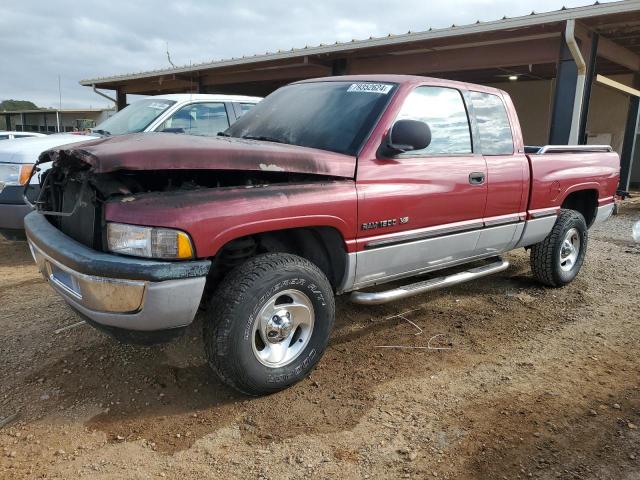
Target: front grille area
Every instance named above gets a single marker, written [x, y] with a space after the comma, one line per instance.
[84, 224]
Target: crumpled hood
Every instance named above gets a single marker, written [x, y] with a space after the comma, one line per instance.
[27, 150]
[167, 151]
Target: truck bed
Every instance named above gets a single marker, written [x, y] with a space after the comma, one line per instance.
[558, 170]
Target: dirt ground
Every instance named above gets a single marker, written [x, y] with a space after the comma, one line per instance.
[520, 382]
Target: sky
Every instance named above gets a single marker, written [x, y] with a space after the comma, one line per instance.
[41, 40]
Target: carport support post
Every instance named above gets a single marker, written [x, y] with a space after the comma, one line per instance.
[629, 150]
[340, 66]
[563, 99]
[588, 83]
[121, 99]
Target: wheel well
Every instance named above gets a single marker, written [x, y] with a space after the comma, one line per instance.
[584, 202]
[323, 246]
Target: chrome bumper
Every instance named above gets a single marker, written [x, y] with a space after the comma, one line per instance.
[128, 304]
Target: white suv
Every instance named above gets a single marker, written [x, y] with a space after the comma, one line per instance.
[8, 135]
[192, 114]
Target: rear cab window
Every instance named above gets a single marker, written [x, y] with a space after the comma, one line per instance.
[494, 127]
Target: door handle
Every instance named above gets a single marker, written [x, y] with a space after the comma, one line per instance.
[476, 178]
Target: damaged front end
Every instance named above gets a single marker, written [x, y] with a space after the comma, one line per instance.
[107, 230]
[136, 300]
[73, 196]
[69, 199]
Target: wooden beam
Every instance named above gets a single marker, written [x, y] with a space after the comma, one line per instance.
[471, 58]
[159, 84]
[250, 76]
[607, 82]
[618, 54]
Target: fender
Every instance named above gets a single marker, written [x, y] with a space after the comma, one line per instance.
[283, 223]
[579, 187]
[215, 216]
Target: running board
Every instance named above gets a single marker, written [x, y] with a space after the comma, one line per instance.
[376, 298]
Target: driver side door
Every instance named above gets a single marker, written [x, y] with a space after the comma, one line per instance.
[422, 210]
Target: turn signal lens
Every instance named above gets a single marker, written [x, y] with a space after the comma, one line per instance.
[25, 173]
[185, 249]
[15, 173]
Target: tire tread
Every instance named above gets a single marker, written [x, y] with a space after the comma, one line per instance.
[542, 256]
[232, 291]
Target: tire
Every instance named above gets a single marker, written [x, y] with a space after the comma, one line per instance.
[269, 323]
[554, 262]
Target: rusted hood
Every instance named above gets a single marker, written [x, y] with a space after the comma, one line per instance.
[166, 151]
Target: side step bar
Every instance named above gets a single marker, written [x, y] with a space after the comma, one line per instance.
[377, 298]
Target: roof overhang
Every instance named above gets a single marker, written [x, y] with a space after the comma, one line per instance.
[509, 43]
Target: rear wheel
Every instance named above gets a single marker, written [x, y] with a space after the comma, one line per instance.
[269, 323]
[557, 260]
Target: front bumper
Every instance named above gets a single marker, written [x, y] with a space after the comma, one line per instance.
[113, 291]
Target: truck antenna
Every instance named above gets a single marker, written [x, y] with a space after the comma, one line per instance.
[169, 56]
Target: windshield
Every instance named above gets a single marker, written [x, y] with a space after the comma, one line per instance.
[334, 116]
[134, 118]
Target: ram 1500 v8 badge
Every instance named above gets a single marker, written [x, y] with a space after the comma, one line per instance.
[328, 186]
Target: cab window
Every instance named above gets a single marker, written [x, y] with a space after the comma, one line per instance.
[444, 111]
[245, 107]
[493, 124]
[205, 119]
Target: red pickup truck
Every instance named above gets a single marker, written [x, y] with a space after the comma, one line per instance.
[328, 186]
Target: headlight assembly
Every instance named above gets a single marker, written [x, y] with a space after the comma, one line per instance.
[14, 174]
[150, 242]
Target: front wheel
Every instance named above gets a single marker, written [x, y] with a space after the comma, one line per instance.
[269, 324]
[557, 259]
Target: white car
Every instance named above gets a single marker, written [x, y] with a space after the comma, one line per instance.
[8, 135]
[191, 114]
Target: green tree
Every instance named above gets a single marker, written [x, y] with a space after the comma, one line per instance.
[12, 105]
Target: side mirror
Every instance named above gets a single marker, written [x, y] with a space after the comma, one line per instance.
[407, 135]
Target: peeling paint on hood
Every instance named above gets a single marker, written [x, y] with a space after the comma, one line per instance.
[167, 151]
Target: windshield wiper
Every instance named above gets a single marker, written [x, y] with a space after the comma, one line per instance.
[264, 138]
[101, 132]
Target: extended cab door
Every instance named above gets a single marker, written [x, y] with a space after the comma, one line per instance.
[421, 210]
[500, 142]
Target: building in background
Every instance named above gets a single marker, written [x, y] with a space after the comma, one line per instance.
[573, 74]
[53, 120]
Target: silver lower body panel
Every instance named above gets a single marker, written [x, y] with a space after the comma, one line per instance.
[603, 213]
[393, 262]
[536, 230]
[385, 264]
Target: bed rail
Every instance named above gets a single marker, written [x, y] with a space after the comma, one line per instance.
[539, 150]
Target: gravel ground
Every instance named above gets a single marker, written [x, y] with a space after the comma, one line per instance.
[520, 381]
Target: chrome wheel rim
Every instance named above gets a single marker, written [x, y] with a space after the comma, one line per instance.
[282, 329]
[569, 250]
